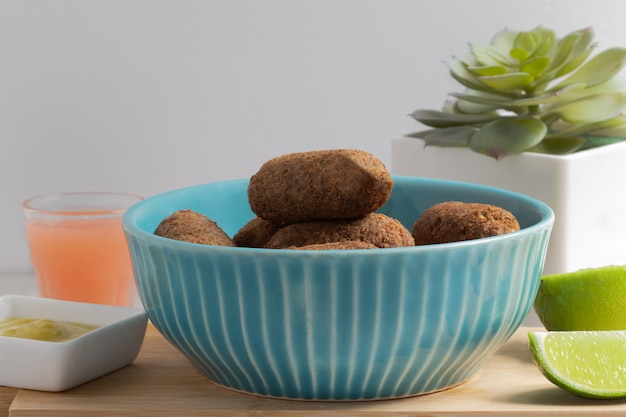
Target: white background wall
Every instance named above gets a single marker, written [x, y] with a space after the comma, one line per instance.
[144, 96]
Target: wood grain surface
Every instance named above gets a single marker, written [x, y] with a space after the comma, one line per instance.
[161, 382]
[6, 397]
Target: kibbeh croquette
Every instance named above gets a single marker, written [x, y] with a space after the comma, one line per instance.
[255, 234]
[319, 185]
[343, 245]
[454, 221]
[377, 229]
[191, 226]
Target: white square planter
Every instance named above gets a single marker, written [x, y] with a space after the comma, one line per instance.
[586, 190]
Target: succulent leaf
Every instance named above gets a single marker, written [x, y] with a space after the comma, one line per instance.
[508, 82]
[525, 44]
[558, 145]
[455, 136]
[508, 136]
[614, 85]
[544, 48]
[579, 130]
[487, 70]
[488, 55]
[598, 69]
[472, 107]
[572, 45]
[535, 66]
[519, 54]
[593, 108]
[548, 98]
[503, 40]
[574, 61]
[490, 101]
[544, 34]
[459, 71]
[434, 118]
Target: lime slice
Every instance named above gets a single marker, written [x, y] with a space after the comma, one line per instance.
[590, 364]
[588, 299]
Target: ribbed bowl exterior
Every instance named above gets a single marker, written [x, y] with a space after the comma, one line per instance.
[337, 325]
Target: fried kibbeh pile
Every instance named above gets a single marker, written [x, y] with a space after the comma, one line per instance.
[321, 200]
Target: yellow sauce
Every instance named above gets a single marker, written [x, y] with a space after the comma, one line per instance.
[43, 329]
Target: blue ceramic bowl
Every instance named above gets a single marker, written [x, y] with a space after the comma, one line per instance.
[338, 325]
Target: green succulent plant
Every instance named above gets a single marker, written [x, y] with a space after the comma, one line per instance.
[530, 91]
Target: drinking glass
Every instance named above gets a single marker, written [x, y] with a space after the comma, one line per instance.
[78, 247]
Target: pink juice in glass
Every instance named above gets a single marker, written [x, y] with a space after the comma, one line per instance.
[81, 256]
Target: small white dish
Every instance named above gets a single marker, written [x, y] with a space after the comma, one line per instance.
[58, 366]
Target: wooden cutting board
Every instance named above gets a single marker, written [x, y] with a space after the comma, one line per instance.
[6, 397]
[161, 382]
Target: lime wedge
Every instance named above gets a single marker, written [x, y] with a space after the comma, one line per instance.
[589, 364]
[587, 299]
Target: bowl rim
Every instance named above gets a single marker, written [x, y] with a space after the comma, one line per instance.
[130, 217]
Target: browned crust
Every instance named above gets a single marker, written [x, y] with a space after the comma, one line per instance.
[255, 234]
[377, 229]
[454, 221]
[343, 245]
[319, 185]
[191, 226]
